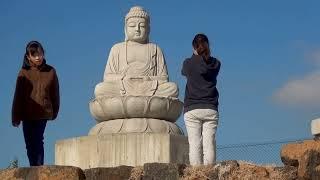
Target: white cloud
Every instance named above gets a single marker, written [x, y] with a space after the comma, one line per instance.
[304, 92]
[313, 56]
[301, 92]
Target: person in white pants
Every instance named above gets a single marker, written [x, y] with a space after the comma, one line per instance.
[201, 102]
[201, 127]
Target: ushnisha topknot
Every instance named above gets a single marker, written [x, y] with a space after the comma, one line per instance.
[137, 11]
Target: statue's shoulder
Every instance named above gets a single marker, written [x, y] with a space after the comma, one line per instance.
[118, 46]
[155, 46]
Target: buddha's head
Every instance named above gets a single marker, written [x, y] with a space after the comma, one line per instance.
[137, 25]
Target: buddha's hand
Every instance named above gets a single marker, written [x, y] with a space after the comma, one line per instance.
[146, 78]
[140, 78]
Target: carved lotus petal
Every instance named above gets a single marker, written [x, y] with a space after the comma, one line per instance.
[105, 108]
[135, 125]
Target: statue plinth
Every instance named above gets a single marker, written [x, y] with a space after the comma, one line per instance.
[131, 149]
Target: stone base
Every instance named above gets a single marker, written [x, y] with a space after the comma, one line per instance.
[135, 125]
[131, 149]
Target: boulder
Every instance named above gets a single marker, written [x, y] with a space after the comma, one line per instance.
[305, 156]
[116, 173]
[162, 171]
[43, 173]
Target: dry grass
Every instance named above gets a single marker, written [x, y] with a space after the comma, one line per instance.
[251, 171]
[245, 171]
[200, 173]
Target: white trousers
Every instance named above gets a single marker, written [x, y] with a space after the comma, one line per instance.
[201, 127]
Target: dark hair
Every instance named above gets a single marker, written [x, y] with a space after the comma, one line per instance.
[198, 43]
[33, 47]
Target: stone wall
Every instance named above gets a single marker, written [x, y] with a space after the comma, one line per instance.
[301, 161]
[153, 171]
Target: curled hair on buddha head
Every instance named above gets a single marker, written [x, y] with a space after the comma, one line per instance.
[32, 48]
[200, 43]
[138, 12]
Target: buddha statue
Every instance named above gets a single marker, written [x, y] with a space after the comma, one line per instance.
[136, 67]
[136, 95]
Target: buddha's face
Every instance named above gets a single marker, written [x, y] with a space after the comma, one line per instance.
[137, 29]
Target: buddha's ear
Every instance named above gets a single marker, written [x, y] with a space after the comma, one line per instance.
[148, 32]
[125, 32]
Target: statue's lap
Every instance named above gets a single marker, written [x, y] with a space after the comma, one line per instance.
[113, 88]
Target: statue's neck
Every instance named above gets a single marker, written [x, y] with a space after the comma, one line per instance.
[136, 43]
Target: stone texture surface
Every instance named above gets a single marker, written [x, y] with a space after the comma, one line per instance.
[224, 169]
[233, 170]
[249, 171]
[162, 171]
[286, 172]
[200, 172]
[111, 150]
[227, 170]
[316, 173]
[136, 173]
[305, 156]
[43, 173]
[136, 85]
[118, 173]
[123, 107]
[136, 66]
[135, 125]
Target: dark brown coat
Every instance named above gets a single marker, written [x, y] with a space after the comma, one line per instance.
[36, 95]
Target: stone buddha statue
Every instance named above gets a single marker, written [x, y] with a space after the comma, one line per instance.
[136, 95]
[136, 67]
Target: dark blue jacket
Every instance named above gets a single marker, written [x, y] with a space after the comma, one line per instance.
[201, 91]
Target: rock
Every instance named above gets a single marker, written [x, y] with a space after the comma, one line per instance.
[290, 155]
[226, 168]
[200, 172]
[309, 161]
[283, 173]
[233, 170]
[116, 173]
[316, 173]
[305, 156]
[43, 173]
[162, 171]
[136, 173]
[249, 171]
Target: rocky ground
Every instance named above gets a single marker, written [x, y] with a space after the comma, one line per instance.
[301, 161]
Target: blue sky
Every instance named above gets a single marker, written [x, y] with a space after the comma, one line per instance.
[270, 54]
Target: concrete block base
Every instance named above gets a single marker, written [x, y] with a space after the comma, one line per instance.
[131, 149]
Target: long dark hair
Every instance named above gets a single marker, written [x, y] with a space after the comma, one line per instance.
[199, 44]
[33, 47]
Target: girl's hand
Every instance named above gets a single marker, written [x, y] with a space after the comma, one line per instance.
[16, 123]
[207, 54]
[195, 52]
